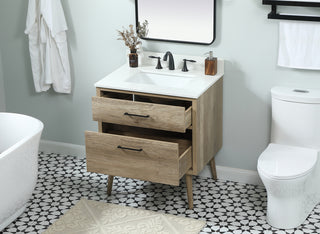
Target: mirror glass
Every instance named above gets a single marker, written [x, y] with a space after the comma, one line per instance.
[187, 21]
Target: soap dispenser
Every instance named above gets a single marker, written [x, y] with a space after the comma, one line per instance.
[211, 64]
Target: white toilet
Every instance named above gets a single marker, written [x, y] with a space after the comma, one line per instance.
[289, 167]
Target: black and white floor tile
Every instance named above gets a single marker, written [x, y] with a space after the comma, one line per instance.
[227, 207]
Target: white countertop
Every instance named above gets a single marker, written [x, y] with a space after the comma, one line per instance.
[176, 83]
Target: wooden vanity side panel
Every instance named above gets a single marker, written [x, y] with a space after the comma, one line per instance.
[207, 126]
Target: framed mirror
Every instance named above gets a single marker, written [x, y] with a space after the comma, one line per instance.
[185, 21]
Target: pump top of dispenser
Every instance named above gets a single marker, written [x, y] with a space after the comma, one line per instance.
[210, 53]
[210, 57]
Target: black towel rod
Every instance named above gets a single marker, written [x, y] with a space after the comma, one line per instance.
[291, 3]
[274, 15]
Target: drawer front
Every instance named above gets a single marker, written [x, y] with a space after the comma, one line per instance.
[138, 158]
[140, 114]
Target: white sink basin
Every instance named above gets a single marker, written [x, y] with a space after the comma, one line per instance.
[147, 79]
[159, 80]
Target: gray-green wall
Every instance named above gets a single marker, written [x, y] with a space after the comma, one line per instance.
[2, 95]
[246, 39]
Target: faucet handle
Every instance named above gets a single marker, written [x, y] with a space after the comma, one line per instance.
[159, 63]
[184, 68]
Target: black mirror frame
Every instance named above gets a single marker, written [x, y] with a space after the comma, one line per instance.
[176, 41]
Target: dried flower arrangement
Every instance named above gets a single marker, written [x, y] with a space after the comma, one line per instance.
[132, 38]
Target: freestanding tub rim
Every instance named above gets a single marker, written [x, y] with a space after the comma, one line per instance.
[27, 137]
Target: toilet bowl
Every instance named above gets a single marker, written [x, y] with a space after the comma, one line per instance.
[290, 166]
[288, 174]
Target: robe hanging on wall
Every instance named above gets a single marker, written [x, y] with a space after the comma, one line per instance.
[46, 28]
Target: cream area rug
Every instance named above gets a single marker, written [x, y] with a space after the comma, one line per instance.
[92, 217]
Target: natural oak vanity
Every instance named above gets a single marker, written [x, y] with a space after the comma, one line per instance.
[151, 132]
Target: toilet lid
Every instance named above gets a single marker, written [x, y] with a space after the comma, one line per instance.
[286, 162]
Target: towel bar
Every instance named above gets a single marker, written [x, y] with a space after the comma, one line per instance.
[274, 15]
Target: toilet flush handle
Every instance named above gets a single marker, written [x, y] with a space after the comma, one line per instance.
[300, 91]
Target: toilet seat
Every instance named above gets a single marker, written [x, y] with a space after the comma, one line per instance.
[283, 162]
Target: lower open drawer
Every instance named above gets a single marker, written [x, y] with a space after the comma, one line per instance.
[161, 160]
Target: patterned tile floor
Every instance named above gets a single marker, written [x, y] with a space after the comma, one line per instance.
[227, 207]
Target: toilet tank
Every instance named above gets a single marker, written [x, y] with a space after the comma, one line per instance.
[296, 117]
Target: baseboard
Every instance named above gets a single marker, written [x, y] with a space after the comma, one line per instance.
[62, 148]
[234, 174]
[224, 173]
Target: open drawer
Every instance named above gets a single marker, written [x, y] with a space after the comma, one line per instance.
[160, 159]
[139, 111]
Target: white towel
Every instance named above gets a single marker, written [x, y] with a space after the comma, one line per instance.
[299, 45]
[46, 27]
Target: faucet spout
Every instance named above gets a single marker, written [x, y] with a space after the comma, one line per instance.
[171, 60]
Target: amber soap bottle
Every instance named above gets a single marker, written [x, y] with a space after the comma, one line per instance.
[211, 65]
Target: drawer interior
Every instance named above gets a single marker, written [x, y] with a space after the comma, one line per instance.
[184, 140]
[146, 99]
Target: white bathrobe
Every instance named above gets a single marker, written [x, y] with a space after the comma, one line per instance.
[46, 27]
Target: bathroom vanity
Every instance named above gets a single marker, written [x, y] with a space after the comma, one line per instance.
[156, 125]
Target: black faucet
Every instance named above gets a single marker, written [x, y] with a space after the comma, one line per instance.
[171, 61]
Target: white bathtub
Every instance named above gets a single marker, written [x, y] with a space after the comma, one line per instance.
[19, 144]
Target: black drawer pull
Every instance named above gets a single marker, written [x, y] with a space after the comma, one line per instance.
[126, 148]
[142, 116]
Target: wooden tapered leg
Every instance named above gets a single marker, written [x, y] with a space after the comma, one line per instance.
[109, 187]
[189, 191]
[213, 169]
